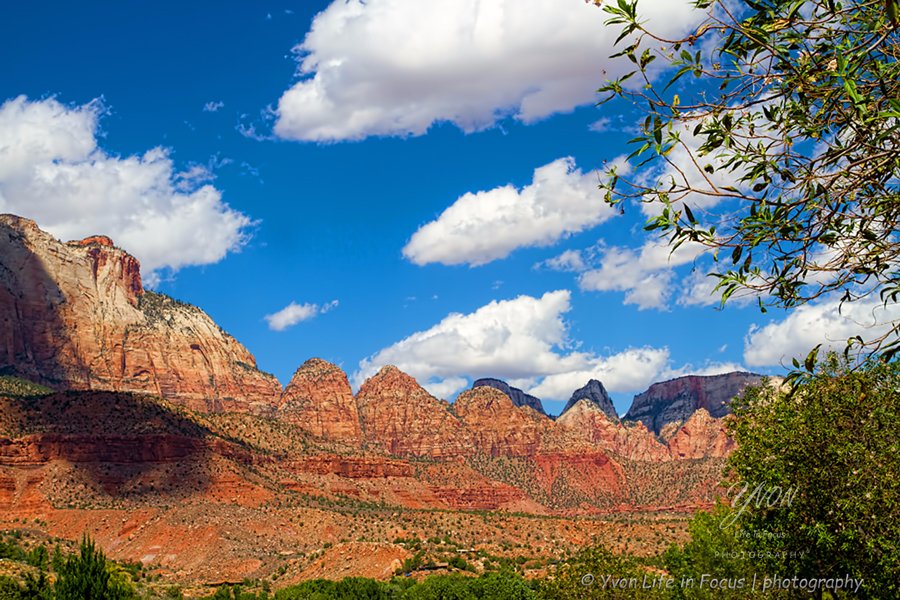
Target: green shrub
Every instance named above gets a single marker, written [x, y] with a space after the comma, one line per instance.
[86, 575]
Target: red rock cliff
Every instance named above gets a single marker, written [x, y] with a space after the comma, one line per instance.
[497, 426]
[76, 316]
[319, 400]
[399, 416]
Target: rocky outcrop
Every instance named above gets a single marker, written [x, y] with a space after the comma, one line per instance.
[586, 422]
[398, 416]
[497, 426]
[76, 316]
[676, 400]
[319, 400]
[701, 436]
[518, 397]
[595, 393]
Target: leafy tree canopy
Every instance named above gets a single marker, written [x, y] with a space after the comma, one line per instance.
[775, 143]
[830, 451]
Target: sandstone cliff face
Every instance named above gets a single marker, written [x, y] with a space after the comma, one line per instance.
[596, 394]
[676, 400]
[701, 436]
[319, 400]
[75, 316]
[518, 397]
[497, 426]
[400, 417]
[585, 421]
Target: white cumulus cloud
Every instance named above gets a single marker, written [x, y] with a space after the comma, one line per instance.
[572, 261]
[294, 313]
[633, 369]
[522, 340]
[53, 171]
[827, 322]
[485, 226]
[396, 67]
[645, 274]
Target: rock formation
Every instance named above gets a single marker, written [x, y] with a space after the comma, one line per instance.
[701, 436]
[518, 397]
[319, 400]
[676, 400]
[497, 426]
[585, 421]
[398, 416]
[76, 316]
[596, 394]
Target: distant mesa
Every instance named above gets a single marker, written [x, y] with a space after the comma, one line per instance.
[518, 397]
[596, 394]
[674, 401]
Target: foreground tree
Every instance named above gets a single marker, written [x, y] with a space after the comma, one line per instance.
[86, 576]
[782, 155]
[831, 452]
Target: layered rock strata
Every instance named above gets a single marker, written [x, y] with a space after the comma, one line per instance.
[320, 401]
[76, 316]
[518, 397]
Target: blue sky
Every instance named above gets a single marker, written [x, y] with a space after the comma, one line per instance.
[186, 132]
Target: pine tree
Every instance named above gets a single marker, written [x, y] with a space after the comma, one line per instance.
[86, 577]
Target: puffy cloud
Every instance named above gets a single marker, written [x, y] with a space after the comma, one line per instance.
[600, 125]
[569, 261]
[52, 170]
[631, 370]
[522, 340]
[447, 387]
[485, 226]
[645, 274]
[294, 313]
[213, 106]
[828, 323]
[395, 67]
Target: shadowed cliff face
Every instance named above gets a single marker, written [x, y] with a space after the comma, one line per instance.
[34, 339]
[75, 316]
[84, 447]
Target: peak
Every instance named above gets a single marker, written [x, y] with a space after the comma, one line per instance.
[94, 240]
[316, 365]
[518, 397]
[17, 221]
[593, 392]
[701, 414]
[390, 372]
[487, 381]
[390, 377]
[728, 375]
[316, 369]
[483, 395]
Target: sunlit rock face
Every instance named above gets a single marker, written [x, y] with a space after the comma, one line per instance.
[75, 315]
